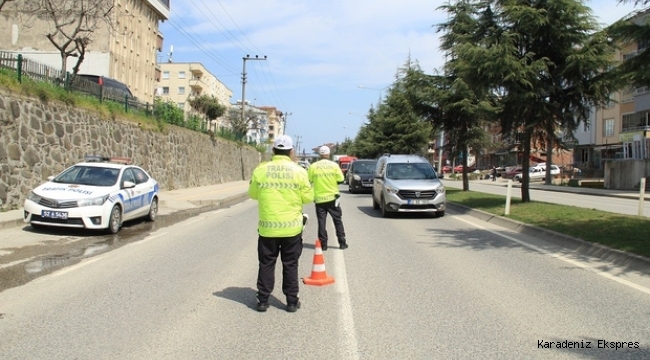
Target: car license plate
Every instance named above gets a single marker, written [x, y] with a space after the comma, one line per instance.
[54, 214]
[417, 202]
[367, 185]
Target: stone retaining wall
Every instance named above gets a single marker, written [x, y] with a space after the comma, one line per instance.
[38, 139]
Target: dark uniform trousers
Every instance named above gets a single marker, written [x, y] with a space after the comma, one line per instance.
[268, 249]
[322, 210]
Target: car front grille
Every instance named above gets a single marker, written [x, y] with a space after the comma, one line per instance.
[413, 194]
[54, 204]
[69, 221]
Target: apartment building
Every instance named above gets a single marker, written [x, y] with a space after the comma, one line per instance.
[126, 52]
[180, 81]
[624, 120]
[276, 121]
[258, 125]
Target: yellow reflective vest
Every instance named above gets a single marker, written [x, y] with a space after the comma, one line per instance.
[325, 175]
[282, 188]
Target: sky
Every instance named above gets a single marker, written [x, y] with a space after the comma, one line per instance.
[327, 62]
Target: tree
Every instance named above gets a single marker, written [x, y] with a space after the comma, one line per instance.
[208, 106]
[634, 71]
[73, 24]
[168, 112]
[239, 125]
[546, 60]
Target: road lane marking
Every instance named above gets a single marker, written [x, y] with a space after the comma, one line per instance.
[350, 344]
[563, 258]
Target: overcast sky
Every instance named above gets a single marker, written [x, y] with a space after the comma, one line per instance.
[327, 61]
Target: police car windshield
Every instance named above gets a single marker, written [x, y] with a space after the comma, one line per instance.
[410, 171]
[88, 175]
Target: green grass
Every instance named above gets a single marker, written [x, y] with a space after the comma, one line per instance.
[623, 232]
[47, 92]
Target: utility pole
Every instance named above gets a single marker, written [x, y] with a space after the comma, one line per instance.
[284, 126]
[298, 144]
[243, 83]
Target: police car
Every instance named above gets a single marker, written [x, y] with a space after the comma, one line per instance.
[99, 193]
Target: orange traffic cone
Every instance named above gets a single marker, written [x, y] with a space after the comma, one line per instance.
[318, 274]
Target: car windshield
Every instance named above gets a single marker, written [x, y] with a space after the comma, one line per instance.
[88, 175]
[410, 171]
[364, 167]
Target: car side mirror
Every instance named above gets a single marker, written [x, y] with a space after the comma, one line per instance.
[128, 185]
[50, 178]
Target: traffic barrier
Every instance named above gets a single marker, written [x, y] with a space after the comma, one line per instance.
[318, 276]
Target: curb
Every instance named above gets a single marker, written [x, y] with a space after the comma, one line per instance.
[202, 206]
[618, 257]
[10, 224]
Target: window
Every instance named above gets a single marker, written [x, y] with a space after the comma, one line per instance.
[635, 121]
[181, 105]
[181, 74]
[181, 90]
[165, 90]
[608, 127]
[610, 101]
[165, 75]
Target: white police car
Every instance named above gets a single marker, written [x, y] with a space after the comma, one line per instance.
[99, 193]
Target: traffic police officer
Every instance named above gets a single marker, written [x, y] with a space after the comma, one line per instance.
[281, 188]
[325, 175]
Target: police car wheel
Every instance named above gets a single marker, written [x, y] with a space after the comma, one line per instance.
[115, 220]
[153, 210]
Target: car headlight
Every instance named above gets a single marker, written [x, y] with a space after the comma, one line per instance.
[356, 177]
[33, 197]
[440, 190]
[92, 202]
[392, 190]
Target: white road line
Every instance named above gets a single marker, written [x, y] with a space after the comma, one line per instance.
[563, 258]
[350, 346]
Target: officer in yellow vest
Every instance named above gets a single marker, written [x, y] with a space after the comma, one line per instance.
[281, 188]
[325, 176]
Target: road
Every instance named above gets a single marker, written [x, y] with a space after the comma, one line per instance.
[604, 203]
[409, 287]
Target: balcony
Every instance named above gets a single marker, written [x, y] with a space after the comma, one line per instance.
[161, 7]
[196, 73]
[196, 84]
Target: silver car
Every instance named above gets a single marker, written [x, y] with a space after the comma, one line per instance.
[407, 183]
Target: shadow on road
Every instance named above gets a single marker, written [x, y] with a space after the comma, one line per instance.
[245, 296]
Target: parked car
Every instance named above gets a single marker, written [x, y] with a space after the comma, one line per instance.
[99, 193]
[538, 172]
[407, 183]
[447, 169]
[511, 172]
[459, 168]
[112, 88]
[360, 174]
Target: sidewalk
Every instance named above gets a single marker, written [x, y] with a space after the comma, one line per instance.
[624, 194]
[171, 201]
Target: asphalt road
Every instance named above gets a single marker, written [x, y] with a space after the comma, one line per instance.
[409, 287]
[604, 203]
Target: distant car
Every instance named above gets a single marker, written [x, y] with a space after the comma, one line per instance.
[112, 88]
[538, 173]
[511, 172]
[446, 169]
[99, 193]
[360, 174]
[304, 164]
[459, 169]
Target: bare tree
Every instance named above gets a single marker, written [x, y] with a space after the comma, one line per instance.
[241, 126]
[73, 23]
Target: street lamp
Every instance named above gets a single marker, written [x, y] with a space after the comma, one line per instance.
[376, 89]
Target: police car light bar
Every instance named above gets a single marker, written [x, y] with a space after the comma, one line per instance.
[97, 158]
